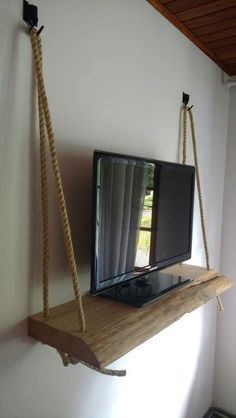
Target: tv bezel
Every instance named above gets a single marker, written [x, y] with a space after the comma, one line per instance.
[97, 286]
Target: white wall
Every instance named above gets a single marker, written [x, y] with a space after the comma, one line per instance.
[225, 378]
[115, 72]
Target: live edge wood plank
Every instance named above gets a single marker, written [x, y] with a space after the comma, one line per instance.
[113, 328]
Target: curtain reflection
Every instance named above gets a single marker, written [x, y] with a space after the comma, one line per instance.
[121, 192]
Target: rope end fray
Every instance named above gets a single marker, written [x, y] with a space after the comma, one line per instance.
[67, 360]
[220, 304]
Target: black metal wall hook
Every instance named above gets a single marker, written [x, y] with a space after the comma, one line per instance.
[30, 14]
[185, 99]
[40, 30]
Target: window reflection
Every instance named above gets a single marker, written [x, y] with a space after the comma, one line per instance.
[147, 223]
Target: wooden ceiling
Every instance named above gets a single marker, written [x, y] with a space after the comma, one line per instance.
[211, 25]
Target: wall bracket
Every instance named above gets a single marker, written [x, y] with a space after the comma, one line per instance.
[185, 99]
[30, 14]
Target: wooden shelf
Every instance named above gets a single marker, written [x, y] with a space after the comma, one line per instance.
[113, 328]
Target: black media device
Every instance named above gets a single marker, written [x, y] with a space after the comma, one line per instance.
[141, 222]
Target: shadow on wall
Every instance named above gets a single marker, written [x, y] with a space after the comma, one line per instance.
[76, 171]
[167, 371]
[17, 343]
[198, 396]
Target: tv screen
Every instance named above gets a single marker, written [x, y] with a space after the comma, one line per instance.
[142, 217]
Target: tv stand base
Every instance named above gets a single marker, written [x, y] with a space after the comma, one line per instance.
[145, 289]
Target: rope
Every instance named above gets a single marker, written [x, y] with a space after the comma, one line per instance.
[195, 154]
[45, 120]
[188, 110]
[45, 125]
[44, 202]
[66, 359]
[184, 136]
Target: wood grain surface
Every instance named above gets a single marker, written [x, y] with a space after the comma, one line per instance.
[113, 328]
[208, 24]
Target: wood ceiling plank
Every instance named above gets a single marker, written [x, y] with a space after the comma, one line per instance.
[232, 69]
[218, 35]
[219, 43]
[158, 5]
[215, 27]
[225, 52]
[177, 6]
[211, 18]
[205, 9]
[229, 61]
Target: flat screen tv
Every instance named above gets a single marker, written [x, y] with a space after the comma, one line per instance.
[142, 219]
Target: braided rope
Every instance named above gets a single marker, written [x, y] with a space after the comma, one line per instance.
[44, 110]
[66, 359]
[45, 216]
[187, 110]
[202, 217]
[45, 124]
[44, 203]
[184, 135]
